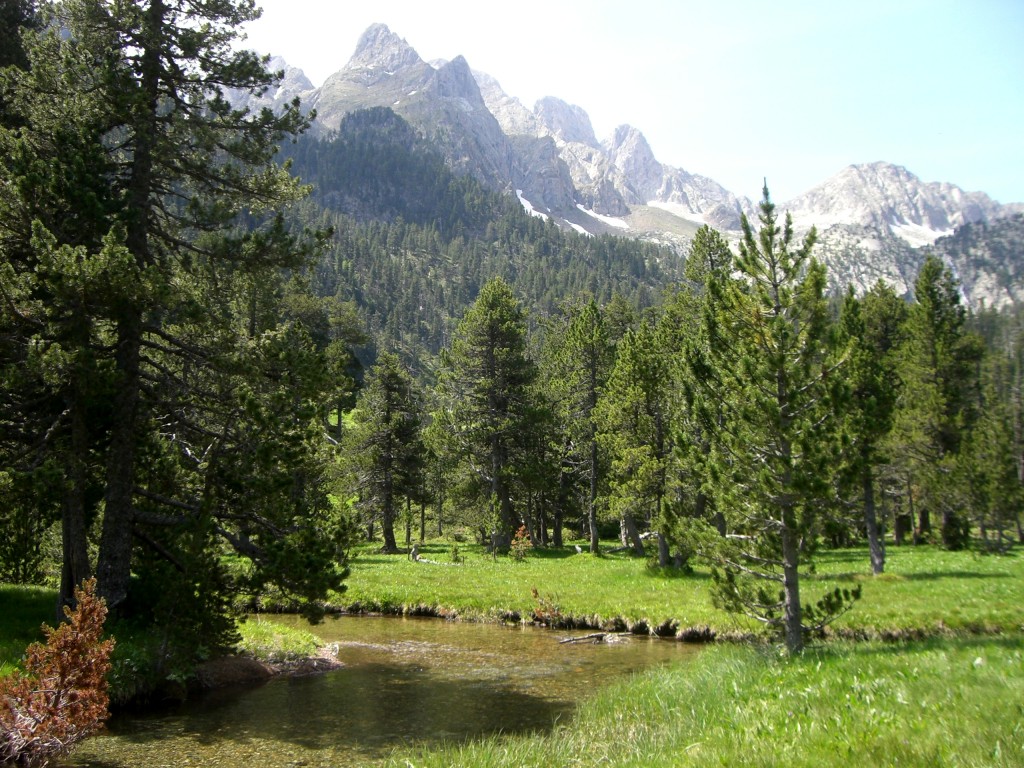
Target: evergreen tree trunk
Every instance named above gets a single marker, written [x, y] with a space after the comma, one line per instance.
[387, 518]
[542, 525]
[918, 533]
[114, 562]
[408, 522]
[595, 544]
[875, 543]
[794, 635]
[924, 522]
[664, 556]
[630, 535]
[387, 527]
[506, 523]
[75, 561]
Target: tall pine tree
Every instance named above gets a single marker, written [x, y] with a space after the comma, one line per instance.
[144, 215]
[768, 379]
[487, 402]
[940, 399]
[385, 445]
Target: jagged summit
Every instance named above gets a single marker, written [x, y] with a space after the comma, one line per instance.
[891, 198]
[632, 156]
[565, 121]
[380, 48]
[293, 84]
[455, 81]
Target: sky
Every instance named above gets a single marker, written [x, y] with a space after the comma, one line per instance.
[788, 91]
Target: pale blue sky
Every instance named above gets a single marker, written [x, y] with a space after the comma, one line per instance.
[789, 90]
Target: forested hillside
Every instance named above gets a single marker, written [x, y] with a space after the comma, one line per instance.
[414, 243]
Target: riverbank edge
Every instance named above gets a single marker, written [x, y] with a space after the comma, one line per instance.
[247, 669]
[244, 669]
[670, 629]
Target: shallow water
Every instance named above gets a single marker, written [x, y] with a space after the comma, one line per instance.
[406, 683]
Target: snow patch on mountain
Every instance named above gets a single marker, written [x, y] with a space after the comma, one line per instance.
[890, 199]
[528, 206]
[873, 219]
[917, 235]
[679, 209]
[611, 221]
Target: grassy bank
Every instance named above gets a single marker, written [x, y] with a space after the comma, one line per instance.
[924, 591]
[954, 702]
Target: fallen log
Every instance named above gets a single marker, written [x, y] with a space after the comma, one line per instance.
[594, 637]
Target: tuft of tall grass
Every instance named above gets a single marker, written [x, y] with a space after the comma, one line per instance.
[938, 702]
[273, 642]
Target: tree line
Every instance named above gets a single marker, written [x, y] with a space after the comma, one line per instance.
[744, 421]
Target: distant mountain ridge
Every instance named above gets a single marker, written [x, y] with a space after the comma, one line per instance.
[872, 218]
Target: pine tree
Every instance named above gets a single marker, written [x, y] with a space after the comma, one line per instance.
[143, 216]
[768, 367]
[687, 342]
[872, 329]
[578, 370]
[487, 402]
[940, 398]
[385, 444]
[988, 477]
[634, 420]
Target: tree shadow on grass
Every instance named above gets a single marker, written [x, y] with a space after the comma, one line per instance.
[672, 573]
[937, 575]
[554, 553]
[865, 577]
[899, 647]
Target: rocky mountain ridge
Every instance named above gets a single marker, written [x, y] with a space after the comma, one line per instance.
[872, 218]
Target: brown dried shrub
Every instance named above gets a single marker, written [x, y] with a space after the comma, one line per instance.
[61, 696]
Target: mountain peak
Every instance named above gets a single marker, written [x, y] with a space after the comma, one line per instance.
[379, 47]
[629, 149]
[566, 121]
[454, 80]
[891, 198]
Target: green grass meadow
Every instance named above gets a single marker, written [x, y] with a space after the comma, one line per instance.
[927, 670]
[924, 591]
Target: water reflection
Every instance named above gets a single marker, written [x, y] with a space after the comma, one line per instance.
[406, 682]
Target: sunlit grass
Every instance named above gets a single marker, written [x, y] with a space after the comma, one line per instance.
[925, 590]
[273, 642]
[931, 588]
[938, 702]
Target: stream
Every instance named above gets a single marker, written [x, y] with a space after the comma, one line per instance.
[406, 683]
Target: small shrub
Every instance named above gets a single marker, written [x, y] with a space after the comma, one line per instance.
[61, 697]
[456, 556]
[521, 544]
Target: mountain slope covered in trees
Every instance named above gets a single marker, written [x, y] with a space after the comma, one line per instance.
[414, 242]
